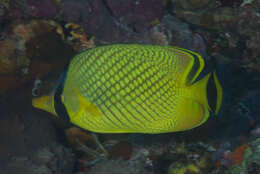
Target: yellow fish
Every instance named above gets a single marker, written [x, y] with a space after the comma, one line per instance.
[131, 88]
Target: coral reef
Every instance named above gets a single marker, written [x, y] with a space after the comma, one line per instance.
[95, 19]
[4, 5]
[188, 168]
[236, 157]
[172, 31]
[34, 49]
[42, 8]
[75, 11]
[28, 48]
[204, 13]
[78, 39]
[12, 58]
[52, 160]
[176, 157]
[124, 20]
[29, 142]
[122, 150]
[126, 167]
[248, 22]
[138, 15]
[251, 160]
[234, 22]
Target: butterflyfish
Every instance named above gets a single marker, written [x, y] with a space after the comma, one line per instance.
[132, 88]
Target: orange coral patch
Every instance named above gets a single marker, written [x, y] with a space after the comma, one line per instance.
[236, 157]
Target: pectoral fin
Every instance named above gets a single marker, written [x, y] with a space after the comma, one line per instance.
[80, 106]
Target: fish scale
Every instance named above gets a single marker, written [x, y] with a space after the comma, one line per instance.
[113, 68]
[107, 83]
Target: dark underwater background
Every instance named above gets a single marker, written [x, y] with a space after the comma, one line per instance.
[39, 37]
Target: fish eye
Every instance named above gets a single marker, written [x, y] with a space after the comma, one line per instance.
[212, 93]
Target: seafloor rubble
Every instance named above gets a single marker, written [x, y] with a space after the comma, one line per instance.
[38, 38]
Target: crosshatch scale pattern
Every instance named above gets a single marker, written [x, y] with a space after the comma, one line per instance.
[132, 87]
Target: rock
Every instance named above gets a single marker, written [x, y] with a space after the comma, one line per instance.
[230, 3]
[8, 82]
[191, 4]
[248, 19]
[204, 13]
[75, 135]
[30, 49]
[248, 24]
[160, 35]
[253, 157]
[251, 160]
[96, 20]
[172, 31]
[113, 21]
[237, 170]
[12, 58]
[4, 5]
[29, 141]
[42, 8]
[223, 18]
[181, 35]
[138, 15]
[121, 150]
[76, 11]
[118, 167]
[44, 162]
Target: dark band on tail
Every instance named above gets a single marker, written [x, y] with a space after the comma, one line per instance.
[212, 93]
[195, 67]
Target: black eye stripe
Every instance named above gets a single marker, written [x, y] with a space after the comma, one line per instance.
[59, 106]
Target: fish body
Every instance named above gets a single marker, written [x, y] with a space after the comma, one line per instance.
[130, 88]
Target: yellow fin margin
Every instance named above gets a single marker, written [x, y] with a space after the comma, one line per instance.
[219, 93]
[45, 103]
[201, 66]
[192, 56]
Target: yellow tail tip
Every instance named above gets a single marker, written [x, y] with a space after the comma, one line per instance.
[219, 93]
[45, 103]
[40, 102]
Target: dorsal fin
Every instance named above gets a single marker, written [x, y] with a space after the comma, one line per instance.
[193, 64]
